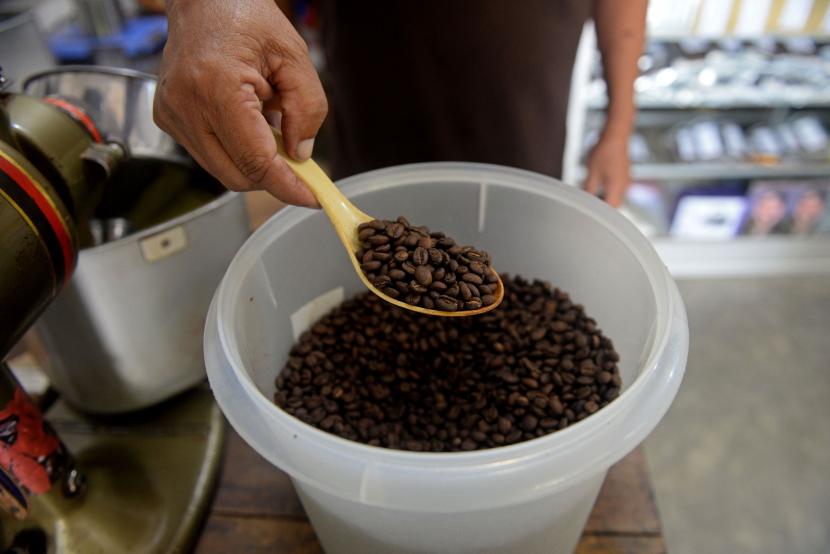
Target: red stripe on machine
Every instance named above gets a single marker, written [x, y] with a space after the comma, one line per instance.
[79, 115]
[56, 222]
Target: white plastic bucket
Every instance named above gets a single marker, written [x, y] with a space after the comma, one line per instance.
[530, 497]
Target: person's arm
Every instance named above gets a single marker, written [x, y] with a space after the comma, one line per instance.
[227, 65]
[620, 29]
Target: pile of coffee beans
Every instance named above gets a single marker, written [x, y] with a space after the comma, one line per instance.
[424, 268]
[387, 376]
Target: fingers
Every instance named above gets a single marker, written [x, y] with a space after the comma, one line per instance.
[256, 165]
[303, 105]
[610, 188]
[615, 191]
[242, 136]
[608, 170]
[286, 186]
[592, 181]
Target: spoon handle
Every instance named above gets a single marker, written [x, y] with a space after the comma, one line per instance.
[344, 216]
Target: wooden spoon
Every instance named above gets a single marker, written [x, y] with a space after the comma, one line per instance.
[345, 217]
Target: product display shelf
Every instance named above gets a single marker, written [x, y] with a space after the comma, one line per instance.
[745, 256]
[741, 255]
[686, 172]
[819, 102]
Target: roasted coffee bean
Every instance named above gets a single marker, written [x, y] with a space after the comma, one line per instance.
[423, 275]
[378, 240]
[420, 256]
[402, 286]
[365, 233]
[446, 303]
[468, 444]
[435, 256]
[529, 423]
[382, 282]
[370, 266]
[473, 304]
[438, 286]
[394, 230]
[486, 289]
[470, 277]
[465, 291]
[477, 267]
[425, 243]
[401, 255]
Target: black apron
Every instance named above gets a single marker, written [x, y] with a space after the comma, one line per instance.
[461, 80]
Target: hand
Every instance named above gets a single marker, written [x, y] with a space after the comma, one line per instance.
[608, 168]
[225, 63]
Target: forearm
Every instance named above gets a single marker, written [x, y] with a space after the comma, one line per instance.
[620, 26]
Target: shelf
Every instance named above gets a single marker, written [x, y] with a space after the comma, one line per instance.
[745, 256]
[819, 102]
[680, 171]
[681, 36]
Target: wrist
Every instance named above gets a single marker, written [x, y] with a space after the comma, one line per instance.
[616, 130]
[616, 133]
[620, 119]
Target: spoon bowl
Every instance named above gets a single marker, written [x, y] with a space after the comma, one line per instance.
[345, 217]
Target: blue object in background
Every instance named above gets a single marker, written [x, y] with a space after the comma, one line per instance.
[140, 36]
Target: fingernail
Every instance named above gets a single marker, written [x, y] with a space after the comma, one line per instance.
[304, 149]
[274, 119]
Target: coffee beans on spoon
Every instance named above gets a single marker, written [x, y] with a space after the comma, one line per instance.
[387, 376]
[423, 268]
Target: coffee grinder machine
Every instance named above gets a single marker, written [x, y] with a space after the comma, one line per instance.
[135, 482]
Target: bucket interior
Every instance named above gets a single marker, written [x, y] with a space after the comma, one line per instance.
[301, 270]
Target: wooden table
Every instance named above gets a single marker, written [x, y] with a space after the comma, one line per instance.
[255, 510]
